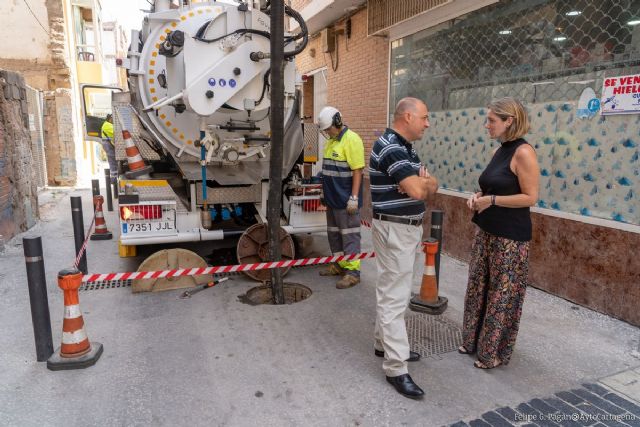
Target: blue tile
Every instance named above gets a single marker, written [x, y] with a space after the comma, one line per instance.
[628, 143]
[624, 181]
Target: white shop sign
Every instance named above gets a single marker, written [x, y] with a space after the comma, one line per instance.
[621, 95]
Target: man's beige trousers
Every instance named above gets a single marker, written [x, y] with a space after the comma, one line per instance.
[396, 246]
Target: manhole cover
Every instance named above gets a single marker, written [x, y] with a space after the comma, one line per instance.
[429, 335]
[105, 284]
[293, 292]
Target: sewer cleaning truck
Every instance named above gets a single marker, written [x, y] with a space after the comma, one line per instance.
[192, 134]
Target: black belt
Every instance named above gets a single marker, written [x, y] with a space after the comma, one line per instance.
[398, 219]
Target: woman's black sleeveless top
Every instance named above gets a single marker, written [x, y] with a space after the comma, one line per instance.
[498, 179]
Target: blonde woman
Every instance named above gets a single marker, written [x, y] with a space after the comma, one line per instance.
[499, 267]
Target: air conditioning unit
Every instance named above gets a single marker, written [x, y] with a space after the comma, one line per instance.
[328, 40]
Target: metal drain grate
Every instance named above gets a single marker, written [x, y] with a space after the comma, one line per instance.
[106, 284]
[430, 335]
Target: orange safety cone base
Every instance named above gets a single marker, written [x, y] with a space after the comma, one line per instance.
[143, 172]
[101, 236]
[439, 307]
[59, 363]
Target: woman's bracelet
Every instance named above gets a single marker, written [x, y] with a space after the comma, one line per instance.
[493, 200]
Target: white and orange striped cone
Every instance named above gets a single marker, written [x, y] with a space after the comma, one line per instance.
[76, 351]
[428, 300]
[101, 232]
[137, 167]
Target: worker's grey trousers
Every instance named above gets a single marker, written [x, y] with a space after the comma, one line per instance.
[343, 232]
[110, 151]
[396, 246]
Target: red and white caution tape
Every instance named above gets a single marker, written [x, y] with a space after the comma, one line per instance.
[223, 268]
[86, 239]
[365, 223]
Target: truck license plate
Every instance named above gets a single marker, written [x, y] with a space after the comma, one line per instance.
[148, 227]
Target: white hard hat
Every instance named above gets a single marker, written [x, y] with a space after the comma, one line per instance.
[327, 118]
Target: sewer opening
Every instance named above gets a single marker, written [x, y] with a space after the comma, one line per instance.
[293, 292]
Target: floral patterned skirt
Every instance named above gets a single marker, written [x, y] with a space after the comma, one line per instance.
[498, 278]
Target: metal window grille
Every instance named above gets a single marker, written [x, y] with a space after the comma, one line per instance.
[537, 50]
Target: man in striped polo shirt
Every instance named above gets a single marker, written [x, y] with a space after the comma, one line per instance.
[342, 165]
[399, 186]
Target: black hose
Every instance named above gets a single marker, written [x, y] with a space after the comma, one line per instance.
[199, 34]
[304, 33]
[265, 83]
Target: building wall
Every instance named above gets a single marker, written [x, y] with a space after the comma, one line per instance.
[19, 25]
[59, 113]
[18, 194]
[358, 85]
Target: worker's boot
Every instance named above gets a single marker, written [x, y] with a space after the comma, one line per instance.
[332, 269]
[347, 281]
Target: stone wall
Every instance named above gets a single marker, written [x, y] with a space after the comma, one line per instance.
[18, 193]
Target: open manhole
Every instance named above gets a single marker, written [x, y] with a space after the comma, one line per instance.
[293, 292]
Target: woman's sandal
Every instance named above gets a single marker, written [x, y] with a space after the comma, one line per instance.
[478, 364]
[463, 350]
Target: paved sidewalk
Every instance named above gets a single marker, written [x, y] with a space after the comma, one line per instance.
[212, 360]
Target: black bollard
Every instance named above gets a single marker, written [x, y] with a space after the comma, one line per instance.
[95, 187]
[36, 280]
[107, 185]
[437, 218]
[78, 230]
[115, 190]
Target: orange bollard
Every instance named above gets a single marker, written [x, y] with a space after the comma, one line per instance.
[137, 167]
[76, 351]
[101, 232]
[428, 300]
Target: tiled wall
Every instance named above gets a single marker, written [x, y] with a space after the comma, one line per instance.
[589, 167]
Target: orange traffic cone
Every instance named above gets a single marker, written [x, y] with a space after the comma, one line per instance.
[428, 301]
[101, 232]
[137, 167]
[76, 352]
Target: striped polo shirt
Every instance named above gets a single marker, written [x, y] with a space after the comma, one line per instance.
[392, 160]
[342, 155]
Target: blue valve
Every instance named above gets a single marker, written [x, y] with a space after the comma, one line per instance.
[226, 214]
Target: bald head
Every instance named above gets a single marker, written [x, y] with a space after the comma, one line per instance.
[407, 105]
[410, 118]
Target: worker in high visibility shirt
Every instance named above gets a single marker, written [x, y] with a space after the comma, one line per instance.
[108, 145]
[342, 166]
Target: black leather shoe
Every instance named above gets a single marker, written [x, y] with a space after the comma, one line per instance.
[413, 356]
[406, 387]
